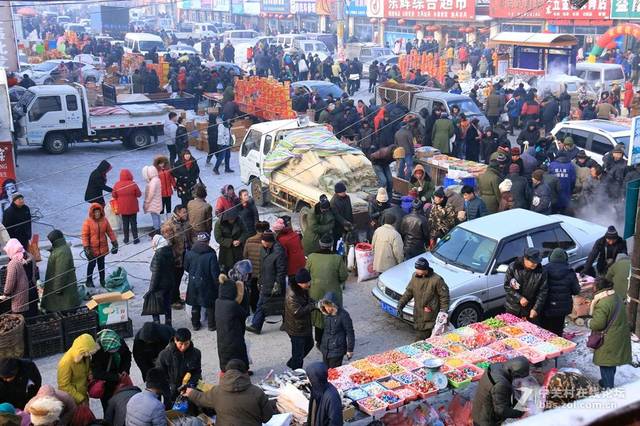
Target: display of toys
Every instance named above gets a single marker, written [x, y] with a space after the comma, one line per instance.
[457, 378]
[509, 319]
[393, 368]
[422, 345]
[512, 343]
[360, 378]
[424, 388]
[512, 330]
[405, 378]
[372, 406]
[386, 357]
[532, 355]
[391, 399]
[356, 394]
[440, 352]
[456, 348]
[473, 372]
[406, 394]
[564, 344]
[494, 323]
[453, 362]
[372, 388]
[409, 350]
[529, 339]
[496, 359]
[391, 383]
[409, 364]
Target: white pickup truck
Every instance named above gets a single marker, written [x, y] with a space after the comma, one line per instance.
[54, 116]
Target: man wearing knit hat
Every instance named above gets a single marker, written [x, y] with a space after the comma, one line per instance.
[515, 159]
[320, 221]
[525, 285]
[430, 296]
[541, 200]
[376, 207]
[394, 210]
[341, 208]
[604, 252]
[414, 230]
[520, 188]
[19, 381]
[297, 318]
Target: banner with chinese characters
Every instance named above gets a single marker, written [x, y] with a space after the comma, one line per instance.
[303, 7]
[625, 9]
[275, 6]
[435, 10]
[549, 9]
[356, 8]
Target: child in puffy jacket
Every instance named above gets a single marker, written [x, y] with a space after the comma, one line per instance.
[126, 193]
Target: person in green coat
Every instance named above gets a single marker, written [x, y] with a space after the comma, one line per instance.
[618, 273]
[443, 130]
[607, 309]
[328, 273]
[60, 284]
[488, 187]
[229, 232]
[319, 222]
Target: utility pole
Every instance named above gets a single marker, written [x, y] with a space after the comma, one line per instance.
[340, 6]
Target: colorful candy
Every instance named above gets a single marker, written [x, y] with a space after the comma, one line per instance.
[471, 371]
[480, 327]
[561, 342]
[494, 323]
[393, 368]
[440, 352]
[512, 330]
[356, 394]
[372, 404]
[407, 394]
[484, 353]
[360, 378]
[529, 339]
[422, 345]
[405, 378]
[423, 387]
[377, 372]
[479, 340]
[391, 383]
[409, 350]
[496, 359]
[509, 319]
[386, 357]
[361, 364]
[483, 364]
[456, 348]
[453, 337]
[512, 343]
[454, 362]
[372, 388]
[545, 348]
[333, 374]
[497, 335]
[456, 376]
[465, 331]
[531, 354]
[409, 364]
[389, 397]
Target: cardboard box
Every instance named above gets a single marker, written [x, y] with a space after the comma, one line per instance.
[112, 307]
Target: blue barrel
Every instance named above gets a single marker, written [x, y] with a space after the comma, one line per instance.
[471, 181]
[450, 182]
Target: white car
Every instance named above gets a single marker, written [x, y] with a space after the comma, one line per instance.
[473, 257]
[595, 137]
[48, 72]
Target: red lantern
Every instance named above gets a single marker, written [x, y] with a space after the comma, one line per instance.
[289, 16]
[432, 28]
[373, 20]
[484, 30]
[280, 16]
[401, 21]
[383, 20]
[417, 27]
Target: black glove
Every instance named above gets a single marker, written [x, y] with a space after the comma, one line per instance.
[114, 247]
[88, 252]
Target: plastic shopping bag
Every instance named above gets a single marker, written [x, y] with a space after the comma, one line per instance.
[364, 262]
[114, 220]
[351, 258]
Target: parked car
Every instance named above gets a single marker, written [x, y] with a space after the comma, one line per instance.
[324, 88]
[182, 49]
[47, 72]
[366, 52]
[315, 47]
[556, 84]
[596, 137]
[599, 75]
[473, 257]
[387, 61]
[216, 65]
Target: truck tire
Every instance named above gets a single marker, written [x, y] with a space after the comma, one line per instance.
[304, 217]
[138, 138]
[56, 143]
[466, 314]
[259, 192]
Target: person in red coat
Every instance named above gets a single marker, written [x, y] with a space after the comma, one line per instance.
[126, 193]
[628, 95]
[292, 244]
[96, 233]
[226, 200]
[167, 181]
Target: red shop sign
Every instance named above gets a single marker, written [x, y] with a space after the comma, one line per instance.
[7, 166]
[549, 9]
[436, 10]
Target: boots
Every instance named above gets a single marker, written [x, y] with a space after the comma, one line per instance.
[89, 282]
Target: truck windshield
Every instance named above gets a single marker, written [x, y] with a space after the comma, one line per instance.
[466, 250]
[45, 66]
[146, 46]
[467, 106]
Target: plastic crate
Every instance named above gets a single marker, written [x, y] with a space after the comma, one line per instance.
[124, 329]
[47, 347]
[43, 327]
[74, 320]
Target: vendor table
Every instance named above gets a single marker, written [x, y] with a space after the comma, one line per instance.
[441, 166]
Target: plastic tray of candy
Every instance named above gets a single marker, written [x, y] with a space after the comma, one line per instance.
[391, 399]
[391, 383]
[453, 362]
[409, 350]
[356, 394]
[423, 373]
[440, 352]
[372, 406]
[457, 378]
[472, 371]
[457, 348]
[479, 340]
[452, 337]
[532, 355]
[437, 340]
[343, 383]
[512, 343]
[511, 354]
[563, 344]
[409, 364]
[497, 334]
[465, 331]
[405, 378]
[480, 327]
[406, 394]
[484, 353]
[497, 358]
[498, 346]
[482, 364]
[509, 319]
[494, 323]
[377, 372]
[393, 368]
[422, 345]
[372, 388]
[549, 350]
[420, 359]
[361, 364]
[424, 388]
[360, 377]
[529, 339]
[386, 357]
[469, 357]
[512, 330]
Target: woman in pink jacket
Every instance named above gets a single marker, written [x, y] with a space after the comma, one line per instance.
[17, 286]
[153, 197]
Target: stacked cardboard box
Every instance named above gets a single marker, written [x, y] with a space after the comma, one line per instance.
[203, 142]
[239, 131]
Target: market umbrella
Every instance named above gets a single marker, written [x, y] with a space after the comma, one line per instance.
[26, 11]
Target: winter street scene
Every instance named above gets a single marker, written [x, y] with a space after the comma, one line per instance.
[319, 212]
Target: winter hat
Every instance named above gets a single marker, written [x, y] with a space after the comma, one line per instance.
[505, 185]
[16, 195]
[396, 198]
[279, 225]
[558, 256]
[9, 367]
[324, 202]
[303, 276]
[14, 249]
[45, 410]
[538, 175]
[203, 236]
[156, 379]
[326, 241]
[54, 235]
[618, 148]
[422, 264]
[581, 154]
[109, 340]
[158, 242]
[238, 365]
[533, 254]
[466, 189]
[611, 234]
[514, 169]
[501, 158]
[7, 408]
[439, 193]
[568, 141]
[515, 150]
[382, 196]
[340, 187]
[268, 236]
[241, 271]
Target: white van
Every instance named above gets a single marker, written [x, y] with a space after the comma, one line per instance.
[142, 43]
[286, 40]
[204, 30]
[600, 76]
[238, 35]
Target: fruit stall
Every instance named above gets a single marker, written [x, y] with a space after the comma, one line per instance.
[449, 362]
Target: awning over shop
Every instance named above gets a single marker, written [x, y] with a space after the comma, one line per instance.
[534, 39]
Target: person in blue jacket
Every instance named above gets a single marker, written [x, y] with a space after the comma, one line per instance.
[325, 404]
[563, 169]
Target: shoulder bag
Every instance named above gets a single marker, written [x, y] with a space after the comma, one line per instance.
[596, 338]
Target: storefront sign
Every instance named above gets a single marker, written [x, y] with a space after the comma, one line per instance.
[634, 145]
[356, 8]
[189, 4]
[625, 9]
[251, 7]
[220, 5]
[458, 10]
[275, 6]
[549, 9]
[304, 7]
[8, 50]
